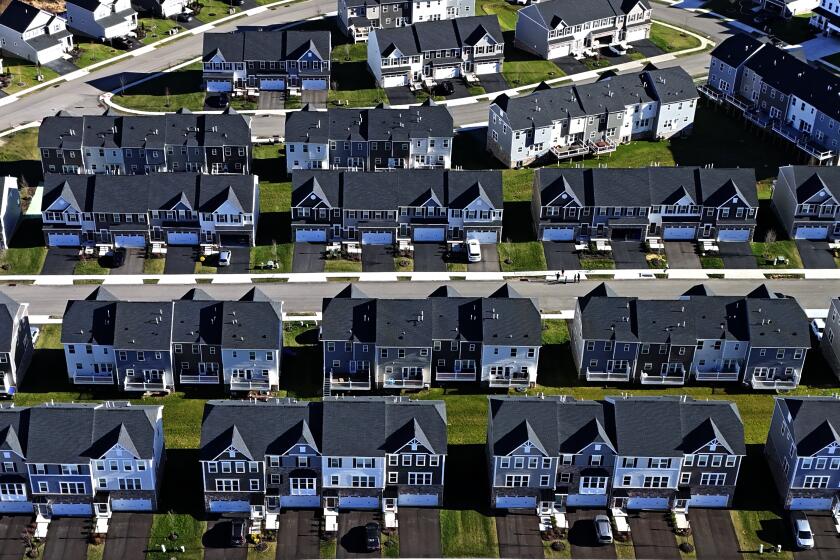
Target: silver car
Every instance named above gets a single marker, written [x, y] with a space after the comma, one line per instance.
[224, 258]
[603, 529]
[802, 535]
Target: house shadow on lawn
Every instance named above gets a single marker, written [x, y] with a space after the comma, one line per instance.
[465, 486]
[181, 492]
[470, 150]
[303, 371]
[517, 223]
[29, 234]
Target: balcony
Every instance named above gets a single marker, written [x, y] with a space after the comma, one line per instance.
[802, 141]
[757, 118]
[572, 150]
[140, 383]
[670, 378]
[97, 379]
[782, 383]
[711, 93]
[512, 380]
[730, 372]
[253, 384]
[455, 376]
[620, 375]
[350, 382]
[604, 146]
[401, 382]
[199, 379]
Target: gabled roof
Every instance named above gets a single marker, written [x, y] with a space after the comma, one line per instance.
[266, 45]
[736, 49]
[118, 435]
[398, 125]
[19, 15]
[814, 421]
[807, 181]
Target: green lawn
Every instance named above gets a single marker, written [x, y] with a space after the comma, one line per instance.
[787, 248]
[596, 262]
[156, 28]
[625, 550]
[765, 189]
[354, 86]
[213, 10]
[403, 264]
[505, 11]
[342, 265]
[23, 74]
[711, 262]
[153, 265]
[89, 266]
[517, 184]
[596, 63]
[670, 40]
[368, 97]
[168, 92]
[281, 253]
[749, 524]
[269, 553]
[468, 533]
[793, 31]
[522, 256]
[20, 146]
[189, 530]
[456, 267]
[529, 71]
[349, 52]
[91, 52]
[22, 260]
[390, 543]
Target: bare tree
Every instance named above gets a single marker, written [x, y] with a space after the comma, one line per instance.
[770, 236]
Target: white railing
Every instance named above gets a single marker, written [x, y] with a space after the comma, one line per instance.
[608, 375]
[662, 379]
[130, 385]
[199, 378]
[403, 382]
[453, 376]
[511, 381]
[572, 150]
[775, 383]
[349, 385]
[595, 148]
[731, 375]
[249, 384]
[93, 379]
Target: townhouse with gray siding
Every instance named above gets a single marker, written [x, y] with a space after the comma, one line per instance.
[777, 92]
[568, 121]
[806, 200]
[830, 341]
[803, 452]
[826, 17]
[359, 18]
[370, 139]
[760, 340]
[16, 347]
[372, 343]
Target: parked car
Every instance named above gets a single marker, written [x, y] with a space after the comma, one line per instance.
[603, 529]
[817, 328]
[237, 2]
[184, 17]
[372, 537]
[220, 101]
[620, 50]
[224, 258]
[118, 257]
[444, 88]
[237, 533]
[802, 535]
[473, 250]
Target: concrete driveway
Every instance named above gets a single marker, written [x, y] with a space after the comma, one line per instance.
[61, 66]
[561, 255]
[240, 261]
[270, 100]
[67, 539]
[714, 536]
[128, 536]
[298, 535]
[489, 260]
[60, 260]
[582, 535]
[629, 254]
[377, 258]
[180, 260]
[429, 257]
[400, 95]
[216, 542]
[308, 257]
[737, 254]
[11, 528]
[316, 99]
[826, 541]
[652, 537]
[420, 533]
[682, 254]
[351, 534]
[133, 263]
[519, 534]
[815, 254]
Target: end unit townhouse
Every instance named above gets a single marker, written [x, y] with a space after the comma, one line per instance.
[806, 200]
[256, 61]
[777, 92]
[16, 347]
[826, 17]
[559, 28]
[101, 19]
[422, 53]
[161, 8]
[563, 122]
[140, 145]
[830, 341]
[397, 344]
[383, 208]
[803, 452]
[663, 203]
[33, 34]
[370, 139]
[359, 18]
[760, 340]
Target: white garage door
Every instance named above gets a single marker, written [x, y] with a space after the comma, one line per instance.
[16, 507]
[377, 238]
[313, 235]
[314, 83]
[483, 236]
[300, 501]
[225, 506]
[136, 241]
[515, 502]
[394, 81]
[446, 72]
[814, 504]
[558, 234]
[733, 235]
[712, 501]
[272, 84]
[429, 234]
[586, 500]
[557, 52]
[675, 233]
[216, 86]
[417, 500]
[647, 503]
[72, 509]
[182, 238]
[487, 68]
[358, 502]
[811, 232]
[131, 505]
[64, 239]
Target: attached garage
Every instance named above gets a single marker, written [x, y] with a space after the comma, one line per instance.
[182, 238]
[219, 86]
[429, 234]
[230, 506]
[420, 500]
[314, 83]
[64, 240]
[733, 235]
[16, 507]
[394, 81]
[813, 504]
[131, 505]
[558, 234]
[489, 236]
[811, 232]
[675, 233]
[445, 72]
[586, 500]
[72, 509]
[311, 235]
[235, 240]
[272, 84]
[516, 502]
[313, 501]
[488, 68]
[134, 240]
[558, 51]
[710, 501]
[647, 503]
[358, 502]
[626, 233]
[377, 238]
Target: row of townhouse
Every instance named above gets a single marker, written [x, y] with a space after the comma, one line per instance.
[33, 34]
[157, 345]
[668, 203]
[264, 457]
[16, 346]
[162, 8]
[806, 200]
[359, 18]
[370, 139]
[140, 211]
[560, 28]
[75, 459]
[776, 91]
[256, 61]
[786, 8]
[436, 50]
[138, 145]
[421, 205]
[760, 340]
[826, 17]
[568, 121]
[371, 343]
[653, 453]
